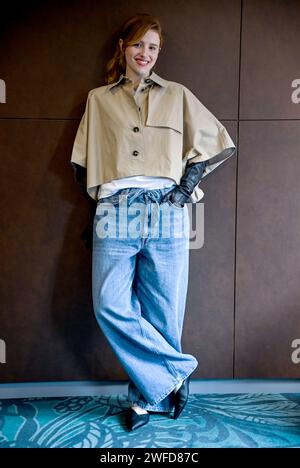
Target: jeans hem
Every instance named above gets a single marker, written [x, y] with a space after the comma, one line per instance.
[182, 377]
[157, 410]
[152, 407]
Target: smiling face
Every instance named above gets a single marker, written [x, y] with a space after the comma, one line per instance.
[141, 57]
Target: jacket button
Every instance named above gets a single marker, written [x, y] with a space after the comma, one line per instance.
[135, 153]
[136, 129]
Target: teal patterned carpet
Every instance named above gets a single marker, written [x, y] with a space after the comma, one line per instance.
[214, 420]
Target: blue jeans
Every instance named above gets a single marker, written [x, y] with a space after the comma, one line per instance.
[139, 287]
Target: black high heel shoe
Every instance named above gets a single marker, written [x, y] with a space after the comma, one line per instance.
[181, 397]
[134, 420]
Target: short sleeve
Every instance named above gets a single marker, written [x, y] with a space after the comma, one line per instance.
[79, 151]
[204, 139]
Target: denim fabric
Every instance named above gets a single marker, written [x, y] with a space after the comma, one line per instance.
[139, 287]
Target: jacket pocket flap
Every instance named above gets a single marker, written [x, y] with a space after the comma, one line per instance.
[167, 122]
[165, 111]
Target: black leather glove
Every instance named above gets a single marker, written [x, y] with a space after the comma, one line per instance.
[80, 178]
[87, 233]
[182, 192]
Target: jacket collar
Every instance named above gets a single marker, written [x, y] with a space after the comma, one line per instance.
[152, 76]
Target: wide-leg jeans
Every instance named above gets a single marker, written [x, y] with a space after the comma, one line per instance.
[139, 285]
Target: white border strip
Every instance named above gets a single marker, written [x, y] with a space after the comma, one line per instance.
[90, 388]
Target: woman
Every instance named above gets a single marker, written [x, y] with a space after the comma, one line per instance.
[142, 146]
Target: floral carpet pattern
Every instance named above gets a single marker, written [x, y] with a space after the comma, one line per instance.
[214, 420]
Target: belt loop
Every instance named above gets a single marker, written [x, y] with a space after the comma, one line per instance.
[145, 221]
[157, 212]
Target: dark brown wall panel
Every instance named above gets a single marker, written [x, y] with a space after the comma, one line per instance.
[268, 261]
[270, 59]
[47, 318]
[210, 302]
[55, 52]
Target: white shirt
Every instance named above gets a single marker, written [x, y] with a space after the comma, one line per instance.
[149, 183]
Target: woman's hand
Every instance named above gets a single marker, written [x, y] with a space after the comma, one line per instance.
[191, 177]
[176, 196]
